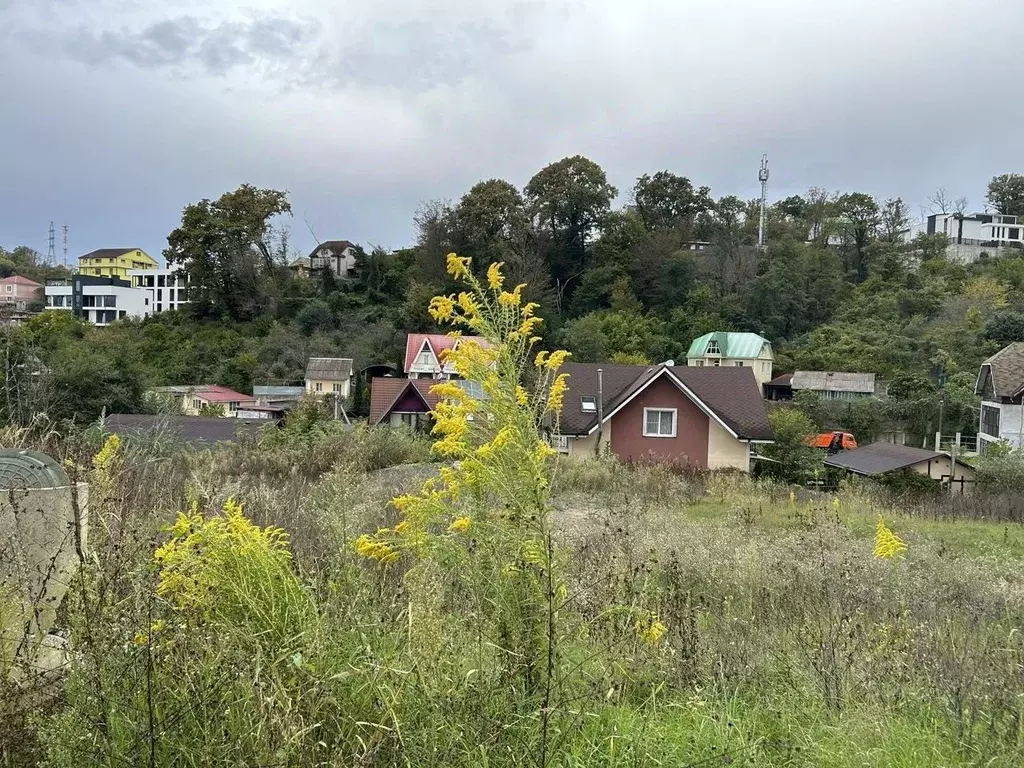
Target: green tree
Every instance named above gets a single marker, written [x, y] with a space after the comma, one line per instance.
[1005, 327]
[569, 199]
[227, 247]
[793, 459]
[315, 317]
[859, 220]
[491, 222]
[666, 201]
[1006, 194]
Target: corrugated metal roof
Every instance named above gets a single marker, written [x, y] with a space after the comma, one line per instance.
[273, 391]
[834, 381]
[329, 368]
[741, 345]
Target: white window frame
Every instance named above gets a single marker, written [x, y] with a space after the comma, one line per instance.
[675, 421]
[319, 386]
[588, 404]
[713, 348]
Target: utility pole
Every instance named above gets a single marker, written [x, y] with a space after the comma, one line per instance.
[762, 176]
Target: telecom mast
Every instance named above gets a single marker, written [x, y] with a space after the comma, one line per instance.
[762, 176]
[64, 230]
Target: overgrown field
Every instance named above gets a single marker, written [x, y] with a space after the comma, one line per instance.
[701, 620]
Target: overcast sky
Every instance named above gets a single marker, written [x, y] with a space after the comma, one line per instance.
[115, 114]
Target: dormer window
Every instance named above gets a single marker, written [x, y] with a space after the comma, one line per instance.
[713, 348]
[425, 359]
[589, 404]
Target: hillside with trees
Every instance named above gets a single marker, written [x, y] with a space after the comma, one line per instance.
[837, 288]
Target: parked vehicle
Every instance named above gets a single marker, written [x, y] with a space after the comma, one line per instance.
[833, 442]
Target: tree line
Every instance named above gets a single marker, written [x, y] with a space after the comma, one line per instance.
[838, 287]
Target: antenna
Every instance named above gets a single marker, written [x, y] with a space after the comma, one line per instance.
[51, 253]
[762, 176]
[64, 230]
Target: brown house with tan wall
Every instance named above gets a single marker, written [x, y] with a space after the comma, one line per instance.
[705, 417]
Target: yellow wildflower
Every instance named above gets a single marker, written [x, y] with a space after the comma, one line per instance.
[448, 390]
[543, 450]
[107, 453]
[460, 524]
[529, 309]
[528, 325]
[494, 276]
[538, 361]
[835, 504]
[650, 629]
[468, 304]
[513, 299]
[558, 357]
[556, 394]
[522, 398]
[887, 544]
[458, 266]
[374, 549]
[441, 308]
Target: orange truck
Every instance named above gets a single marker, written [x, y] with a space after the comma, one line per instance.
[833, 442]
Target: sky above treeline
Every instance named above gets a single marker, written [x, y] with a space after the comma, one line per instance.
[115, 114]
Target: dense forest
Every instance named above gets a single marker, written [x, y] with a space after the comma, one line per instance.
[838, 287]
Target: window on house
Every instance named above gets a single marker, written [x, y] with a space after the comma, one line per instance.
[716, 362]
[10, 289]
[233, 405]
[319, 386]
[336, 387]
[425, 359]
[161, 280]
[713, 348]
[589, 404]
[659, 422]
[699, 363]
[738, 363]
[407, 419]
[990, 420]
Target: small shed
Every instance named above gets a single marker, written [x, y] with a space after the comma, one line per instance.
[878, 458]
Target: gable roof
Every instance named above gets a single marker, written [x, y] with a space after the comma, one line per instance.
[19, 280]
[337, 246]
[876, 458]
[212, 392]
[438, 343]
[739, 345]
[386, 391]
[329, 368]
[1006, 369]
[729, 395]
[834, 381]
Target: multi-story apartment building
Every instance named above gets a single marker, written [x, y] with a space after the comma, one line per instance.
[99, 300]
[168, 286]
[115, 262]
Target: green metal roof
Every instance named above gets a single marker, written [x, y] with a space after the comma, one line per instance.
[740, 345]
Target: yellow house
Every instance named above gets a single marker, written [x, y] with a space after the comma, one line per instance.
[115, 262]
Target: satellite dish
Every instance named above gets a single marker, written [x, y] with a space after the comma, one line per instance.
[30, 469]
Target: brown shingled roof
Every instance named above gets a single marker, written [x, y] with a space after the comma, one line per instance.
[731, 394]
[1006, 368]
[386, 391]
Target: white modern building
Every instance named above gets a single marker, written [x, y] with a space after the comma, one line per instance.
[169, 287]
[991, 229]
[99, 300]
[1001, 388]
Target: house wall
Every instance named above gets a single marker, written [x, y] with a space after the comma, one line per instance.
[762, 366]
[1010, 423]
[116, 266]
[691, 440]
[587, 446]
[725, 451]
[941, 469]
[327, 387]
[168, 287]
[18, 294]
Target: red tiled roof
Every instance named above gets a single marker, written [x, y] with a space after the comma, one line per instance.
[386, 391]
[19, 280]
[438, 342]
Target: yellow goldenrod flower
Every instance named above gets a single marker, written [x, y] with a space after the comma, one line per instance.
[402, 527]
[529, 309]
[468, 305]
[460, 524]
[528, 325]
[448, 390]
[458, 266]
[494, 277]
[543, 450]
[514, 299]
[441, 308]
[650, 629]
[558, 357]
[538, 361]
[835, 504]
[887, 544]
[556, 394]
[522, 399]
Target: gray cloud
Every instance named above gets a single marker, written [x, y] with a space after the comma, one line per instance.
[186, 43]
